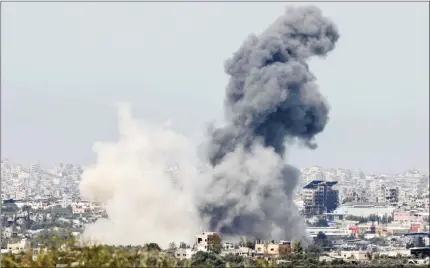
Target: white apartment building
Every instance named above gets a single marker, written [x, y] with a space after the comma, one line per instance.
[65, 202]
[365, 209]
[203, 239]
[332, 232]
[18, 247]
[20, 194]
[184, 253]
[35, 168]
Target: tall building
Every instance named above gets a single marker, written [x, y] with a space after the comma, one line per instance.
[320, 197]
[35, 168]
[387, 195]
[392, 196]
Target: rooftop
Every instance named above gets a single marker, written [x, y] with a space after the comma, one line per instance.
[314, 184]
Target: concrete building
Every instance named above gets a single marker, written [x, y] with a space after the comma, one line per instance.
[411, 216]
[332, 232]
[392, 196]
[267, 248]
[19, 246]
[184, 253]
[389, 195]
[205, 240]
[273, 249]
[78, 209]
[365, 209]
[351, 255]
[35, 168]
[320, 198]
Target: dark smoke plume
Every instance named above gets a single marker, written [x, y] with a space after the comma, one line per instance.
[271, 96]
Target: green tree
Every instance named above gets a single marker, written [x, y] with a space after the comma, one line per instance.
[250, 244]
[152, 247]
[172, 249]
[261, 263]
[182, 245]
[297, 247]
[234, 260]
[321, 223]
[314, 248]
[207, 259]
[321, 240]
[214, 243]
[9, 261]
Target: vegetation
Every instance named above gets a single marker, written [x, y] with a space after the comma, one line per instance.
[371, 218]
[62, 250]
[214, 243]
[319, 223]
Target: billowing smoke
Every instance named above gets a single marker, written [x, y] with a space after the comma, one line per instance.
[248, 188]
[147, 181]
[271, 96]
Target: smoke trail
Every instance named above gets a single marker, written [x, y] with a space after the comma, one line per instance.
[145, 202]
[271, 97]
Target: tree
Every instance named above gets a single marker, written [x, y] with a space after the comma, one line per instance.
[172, 248]
[9, 261]
[314, 248]
[297, 248]
[250, 244]
[361, 235]
[214, 243]
[321, 240]
[206, 259]
[152, 247]
[232, 259]
[321, 223]
[261, 263]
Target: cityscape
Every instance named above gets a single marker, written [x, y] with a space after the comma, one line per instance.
[232, 144]
[356, 212]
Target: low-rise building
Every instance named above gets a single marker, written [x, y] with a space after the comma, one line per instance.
[267, 248]
[272, 249]
[184, 253]
[19, 246]
[206, 240]
[365, 209]
[332, 232]
[358, 255]
[412, 216]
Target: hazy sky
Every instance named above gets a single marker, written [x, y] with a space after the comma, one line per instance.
[65, 64]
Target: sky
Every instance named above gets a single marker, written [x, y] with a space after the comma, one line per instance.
[65, 65]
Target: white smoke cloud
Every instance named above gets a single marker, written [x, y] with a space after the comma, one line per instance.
[145, 201]
[153, 184]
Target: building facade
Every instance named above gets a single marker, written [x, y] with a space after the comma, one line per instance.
[320, 198]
